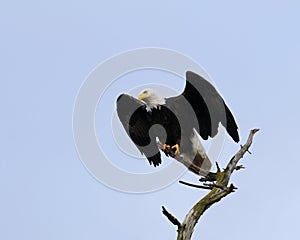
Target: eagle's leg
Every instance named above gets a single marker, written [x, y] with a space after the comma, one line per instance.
[165, 146]
[171, 151]
[166, 149]
[177, 151]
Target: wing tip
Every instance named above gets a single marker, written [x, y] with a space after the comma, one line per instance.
[190, 74]
[155, 160]
[120, 96]
[236, 137]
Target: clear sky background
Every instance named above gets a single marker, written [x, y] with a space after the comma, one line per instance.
[251, 49]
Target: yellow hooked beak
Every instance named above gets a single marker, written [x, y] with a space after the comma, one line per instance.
[141, 96]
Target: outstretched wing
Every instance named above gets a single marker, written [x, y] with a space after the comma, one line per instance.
[209, 107]
[137, 123]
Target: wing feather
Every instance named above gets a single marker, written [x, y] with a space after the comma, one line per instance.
[136, 122]
[209, 107]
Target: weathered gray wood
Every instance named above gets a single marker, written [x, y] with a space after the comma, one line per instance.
[220, 188]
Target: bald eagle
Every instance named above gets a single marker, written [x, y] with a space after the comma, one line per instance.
[175, 122]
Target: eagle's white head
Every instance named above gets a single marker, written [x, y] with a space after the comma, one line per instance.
[151, 98]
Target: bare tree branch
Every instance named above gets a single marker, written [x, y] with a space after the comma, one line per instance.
[189, 164]
[220, 188]
[195, 185]
[172, 219]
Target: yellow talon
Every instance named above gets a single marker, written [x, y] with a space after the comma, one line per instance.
[170, 151]
[165, 146]
[177, 151]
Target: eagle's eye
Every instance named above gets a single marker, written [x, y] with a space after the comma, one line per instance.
[145, 92]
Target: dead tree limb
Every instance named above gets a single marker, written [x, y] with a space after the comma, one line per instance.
[220, 188]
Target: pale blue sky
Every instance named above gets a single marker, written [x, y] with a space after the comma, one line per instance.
[250, 49]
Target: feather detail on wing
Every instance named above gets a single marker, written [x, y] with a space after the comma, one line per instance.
[209, 107]
[136, 122]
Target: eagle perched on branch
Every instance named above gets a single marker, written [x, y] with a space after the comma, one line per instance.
[172, 124]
